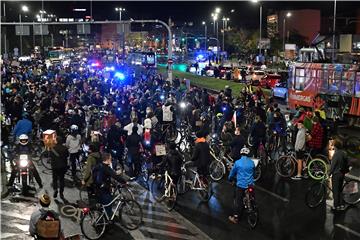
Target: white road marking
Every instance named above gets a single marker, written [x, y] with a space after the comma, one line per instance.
[15, 215]
[272, 194]
[347, 229]
[168, 233]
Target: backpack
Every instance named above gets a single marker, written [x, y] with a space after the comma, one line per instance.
[48, 226]
[98, 175]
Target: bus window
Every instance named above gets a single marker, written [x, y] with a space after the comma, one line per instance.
[357, 85]
[334, 81]
[299, 79]
[347, 83]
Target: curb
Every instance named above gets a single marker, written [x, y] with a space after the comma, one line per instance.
[4, 188]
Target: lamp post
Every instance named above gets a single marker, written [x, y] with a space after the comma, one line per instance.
[333, 36]
[284, 29]
[204, 23]
[120, 10]
[225, 21]
[24, 8]
[260, 24]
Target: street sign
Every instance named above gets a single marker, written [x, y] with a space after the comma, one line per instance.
[22, 30]
[170, 61]
[37, 30]
[83, 29]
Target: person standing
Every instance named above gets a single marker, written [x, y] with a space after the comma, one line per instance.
[339, 167]
[58, 155]
[133, 143]
[300, 148]
[73, 143]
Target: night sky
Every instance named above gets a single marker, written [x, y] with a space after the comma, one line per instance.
[246, 13]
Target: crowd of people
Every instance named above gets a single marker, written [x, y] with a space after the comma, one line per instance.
[119, 119]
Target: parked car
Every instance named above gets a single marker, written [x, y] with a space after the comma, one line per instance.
[226, 72]
[280, 90]
[208, 71]
[270, 80]
[255, 77]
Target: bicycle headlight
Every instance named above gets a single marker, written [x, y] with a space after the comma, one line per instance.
[182, 105]
[24, 161]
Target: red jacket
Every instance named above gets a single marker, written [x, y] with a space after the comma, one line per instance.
[316, 136]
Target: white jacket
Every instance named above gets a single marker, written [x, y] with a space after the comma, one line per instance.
[73, 143]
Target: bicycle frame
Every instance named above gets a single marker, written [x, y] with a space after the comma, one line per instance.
[117, 197]
[196, 180]
[168, 183]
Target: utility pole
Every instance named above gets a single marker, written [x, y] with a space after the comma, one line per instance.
[333, 37]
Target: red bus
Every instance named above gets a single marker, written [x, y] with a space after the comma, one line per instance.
[333, 87]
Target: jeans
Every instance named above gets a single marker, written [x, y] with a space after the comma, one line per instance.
[73, 158]
[104, 197]
[59, 177]
[239, 201]
[337, 183]
[32, 169]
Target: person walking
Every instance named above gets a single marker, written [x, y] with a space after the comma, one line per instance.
[73, 143]
[58, 155]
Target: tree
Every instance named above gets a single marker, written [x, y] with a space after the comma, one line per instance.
[241, 43]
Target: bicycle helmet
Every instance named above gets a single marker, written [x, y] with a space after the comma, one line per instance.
[74, 128]
[245, 151]
[23, 139]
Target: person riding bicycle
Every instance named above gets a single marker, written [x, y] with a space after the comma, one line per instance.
[258, 133]
[45, 223]
[201, 155]
[73, 143]
[172, 162]
[243, 171]
[102, 175]
[24, 148]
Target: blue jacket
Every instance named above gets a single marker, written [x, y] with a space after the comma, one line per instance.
[243, 170]
[23, 126]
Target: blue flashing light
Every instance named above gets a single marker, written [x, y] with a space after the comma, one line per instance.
[162, 97]
[119, 75]
[224, 109]
[110, 69]
[119, 109]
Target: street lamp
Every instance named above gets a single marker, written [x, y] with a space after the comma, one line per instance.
[225, 21]
[120, 10]
[24, 8]
[260, 23]
[287, 15]
[204, 23]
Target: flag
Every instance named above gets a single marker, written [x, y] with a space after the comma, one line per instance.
[234, 118]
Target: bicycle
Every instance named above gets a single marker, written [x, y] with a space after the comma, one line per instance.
[317, 192]
[164, 189]
[196, 183]
[122, 189]
[130, 216]
[170, 132]
[250, 206]
[316, 167]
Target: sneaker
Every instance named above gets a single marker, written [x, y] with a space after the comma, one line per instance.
[132, 178]
[233, 219]
[305, 176]
[296, 178]
[341, 207]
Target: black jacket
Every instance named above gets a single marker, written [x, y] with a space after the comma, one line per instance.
[201, 155]
[172, 162]
[339, 162]
[237, 144]
[133, 143]
[58, 156]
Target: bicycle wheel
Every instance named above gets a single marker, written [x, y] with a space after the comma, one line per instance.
[253, 217]
[170, 201]
[93, 224]
[317, 169]
[285, 166]
[250, 140]
[126, 193]
[45, 159]
[217, 170]
[130, 214]
[351, 192]
[206, 191]
[315, 195]
[258, 172]
[158, 188]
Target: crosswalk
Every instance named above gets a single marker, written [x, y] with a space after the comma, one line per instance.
[15, 218]
[159, 223]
